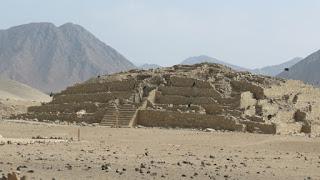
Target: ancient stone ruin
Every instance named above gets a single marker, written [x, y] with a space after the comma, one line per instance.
[189, 96]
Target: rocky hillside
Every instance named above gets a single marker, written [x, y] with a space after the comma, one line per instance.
[50, 58]
[204, 58]
[276, 69]
[306, 70]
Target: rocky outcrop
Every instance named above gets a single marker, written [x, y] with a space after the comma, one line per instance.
[190, 96]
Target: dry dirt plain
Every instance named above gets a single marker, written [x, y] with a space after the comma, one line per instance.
[154, 153]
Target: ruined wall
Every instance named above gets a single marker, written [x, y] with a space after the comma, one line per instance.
[189, 91]
[175, 99]
[243, 85]
[67, 117]
[153, 118]
[126, 85]
[67, 108]
[188, 82]
[92, 97]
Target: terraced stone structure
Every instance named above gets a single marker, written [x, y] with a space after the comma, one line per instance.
[189, 96]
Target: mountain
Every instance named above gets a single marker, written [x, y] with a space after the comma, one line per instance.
[307, 70]
[51, 58]
[149, 66]
[276, 69]
[204, 58]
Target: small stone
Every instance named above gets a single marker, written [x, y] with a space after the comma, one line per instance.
[30, 171]
[142, 165]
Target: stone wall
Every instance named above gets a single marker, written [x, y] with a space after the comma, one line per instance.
[126, 85]
[189, 82]
[176, 99]
[152, 118]
[257, 127]
[92, 97]
[68, 108]
[243, 85]
[67, 117]
[189, 91]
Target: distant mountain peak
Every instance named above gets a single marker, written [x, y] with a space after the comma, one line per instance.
[70, 25]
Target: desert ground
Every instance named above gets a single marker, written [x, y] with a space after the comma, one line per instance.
[152, 153]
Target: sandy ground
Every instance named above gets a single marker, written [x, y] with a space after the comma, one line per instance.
[153, 153]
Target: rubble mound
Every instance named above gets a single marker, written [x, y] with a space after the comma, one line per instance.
[189, 96]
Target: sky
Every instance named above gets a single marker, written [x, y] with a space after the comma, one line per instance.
[248, 33]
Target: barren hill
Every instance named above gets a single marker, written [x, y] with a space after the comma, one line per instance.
[15, 97]
[14, 90]
[306, 70]
[50, 58]
[189, 96]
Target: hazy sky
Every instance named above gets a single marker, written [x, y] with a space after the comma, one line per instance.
[249, 33]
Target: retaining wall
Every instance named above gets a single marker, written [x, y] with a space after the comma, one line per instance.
[152, 118]
[189, 82]
[68, 117]
[94, 97]
[175, 99]
[67, 108]
[189, 91]
[126, 85]
[260, 127]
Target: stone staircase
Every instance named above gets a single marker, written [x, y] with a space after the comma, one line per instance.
[126, 113]
[120, 117]
[109, 118]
